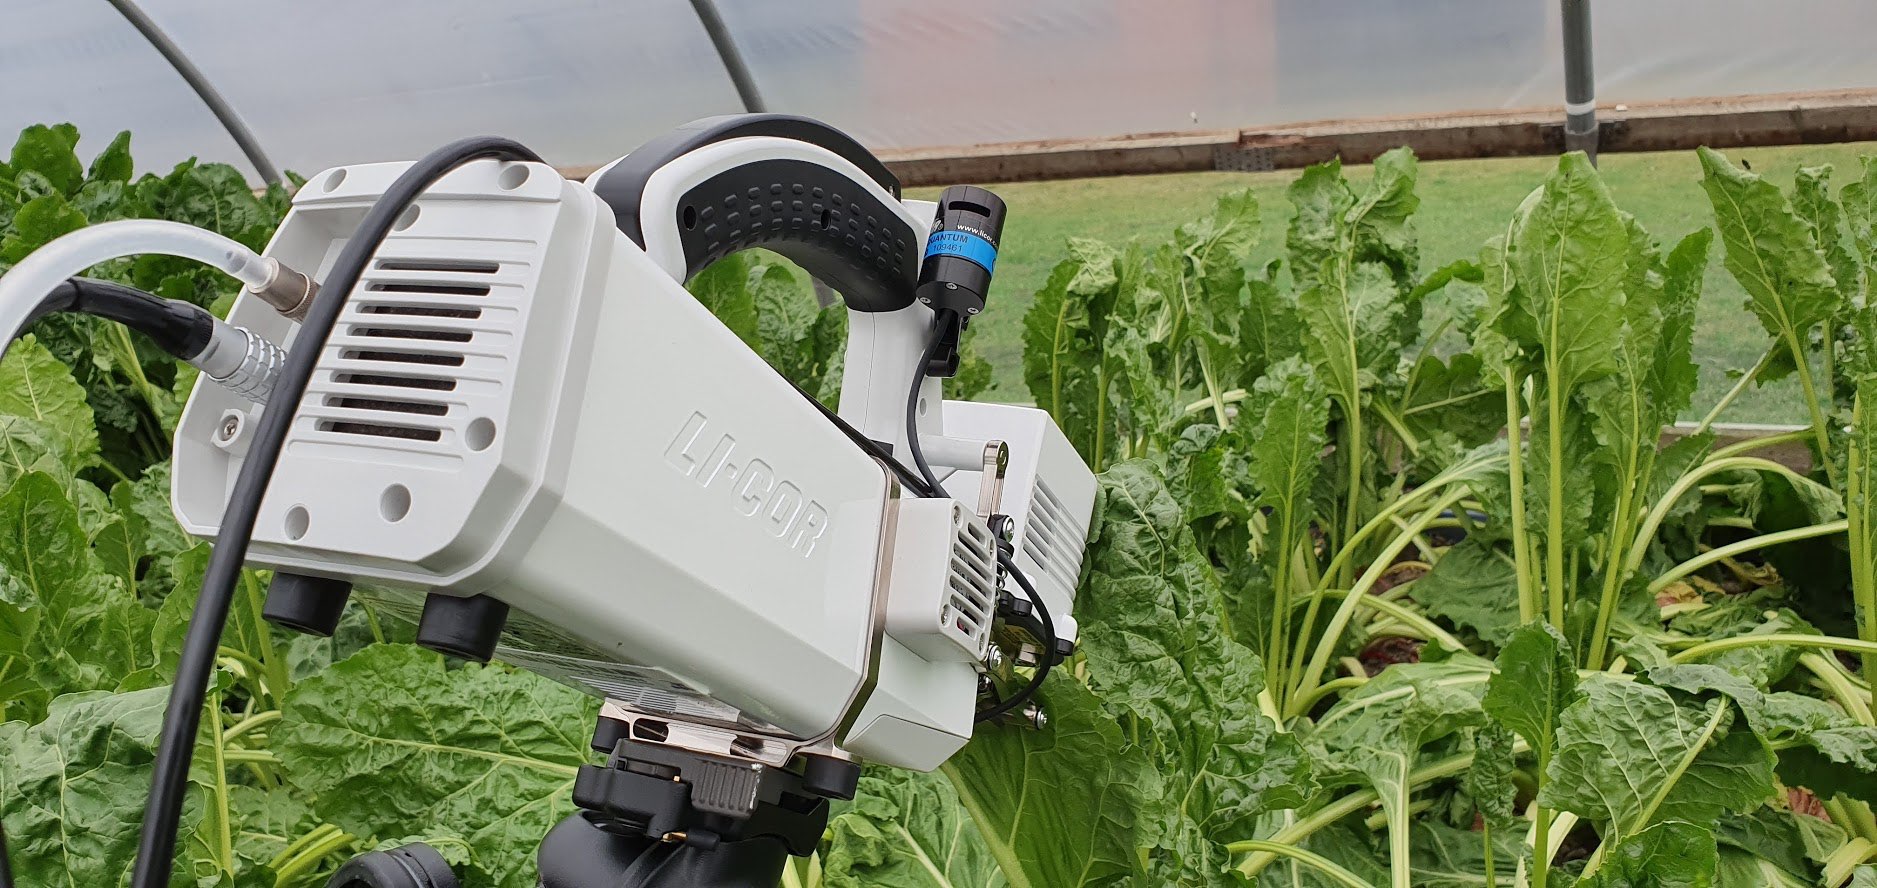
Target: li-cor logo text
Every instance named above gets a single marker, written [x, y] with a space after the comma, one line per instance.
[709, 457]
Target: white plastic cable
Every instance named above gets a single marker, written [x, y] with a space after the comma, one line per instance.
[22, 288]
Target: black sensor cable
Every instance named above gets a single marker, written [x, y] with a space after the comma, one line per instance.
[933, 489]
[156, 849]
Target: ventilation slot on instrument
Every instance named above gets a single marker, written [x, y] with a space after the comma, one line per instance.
[410, 382]
[972, 582]
[404, 333]
[422, 311]
[380, 430]
[355, 354]
[1050, 540]
[459, 266]
[434, 289]
[416, 408]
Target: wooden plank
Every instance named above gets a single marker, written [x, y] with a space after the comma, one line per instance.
[1728, 121]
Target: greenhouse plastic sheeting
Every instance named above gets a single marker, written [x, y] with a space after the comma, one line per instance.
[582, 81]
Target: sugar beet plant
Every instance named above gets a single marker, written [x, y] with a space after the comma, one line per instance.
[1393, 580]
[1601, 644]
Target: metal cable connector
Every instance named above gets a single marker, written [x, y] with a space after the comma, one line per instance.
[240, 360]
[289, 292]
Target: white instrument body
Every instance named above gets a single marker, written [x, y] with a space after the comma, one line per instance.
[519, 401]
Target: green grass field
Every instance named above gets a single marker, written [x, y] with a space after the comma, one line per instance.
[1462, 204]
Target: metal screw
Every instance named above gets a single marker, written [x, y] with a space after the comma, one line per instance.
[985, 683]
[994, 658]
[950, 286]
[1035, 715]
[230, 427]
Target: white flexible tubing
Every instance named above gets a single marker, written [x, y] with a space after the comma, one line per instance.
[22, 288]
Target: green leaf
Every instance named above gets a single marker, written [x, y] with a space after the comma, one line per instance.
[497, 764]
[1317, 232]
[1812, 202]
[38, 222]
[113, 164]
[1860, 216]
[724, 289]
[1473, 585]
[1063, 335]
[91, 633]
[1059, 807]
[1350, 325]
[1447, 857]
[266, 821]
[1630, 755]
[1568, 249]
[1452, 406]
[72, 787]
[1534, 683]
[37, 386]
[1374, 736]
[1159, 652]
[1379, 221]
[1672, 854]
[49, 151]
[1775, 846]
[154, 534]
[208, 195]
[906, 830]
[1771, 251]
[1489, 780]
[1283, 443]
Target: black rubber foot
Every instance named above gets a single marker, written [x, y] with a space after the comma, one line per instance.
[306, 604]
[462, 627]
[406, 866]
[830, 777]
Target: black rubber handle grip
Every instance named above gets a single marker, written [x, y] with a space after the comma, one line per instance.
[825, 221]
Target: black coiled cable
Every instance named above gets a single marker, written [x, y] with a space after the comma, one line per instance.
[156, 848]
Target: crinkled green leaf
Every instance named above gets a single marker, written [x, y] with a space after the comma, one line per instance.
[1350, 324]
[1474, 585]
[37, 386]
[1317, 232]
[906, 830]
[72, 787]
[1671, 854]
[1812, 202]
[1489, 780]
[91, 633]
[1535, 682]
[1860, 216]
[1062, 343]
[1282, 432]
[1161, 654]
[1060, 807]
[1568, 249]
[1452, 406]
[493, 757]
[144, 505]
[1630, 755]
[724, 289]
